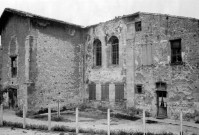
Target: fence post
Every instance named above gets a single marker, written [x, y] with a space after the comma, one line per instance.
[144, 122]
[58, 109]
[1, 117]
[108, 121]
[77, 119]
[49, 118]
[181, 131]
[24, 116]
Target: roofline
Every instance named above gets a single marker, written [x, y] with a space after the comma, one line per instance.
[145, 13]
[30, 15]
[176, 16]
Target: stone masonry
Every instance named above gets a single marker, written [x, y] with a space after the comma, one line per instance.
[56, 61]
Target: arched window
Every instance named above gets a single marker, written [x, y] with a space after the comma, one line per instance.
[97, 52]
[115, 50]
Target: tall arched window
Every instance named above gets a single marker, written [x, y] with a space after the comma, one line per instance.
[97, 52]
[114, 41]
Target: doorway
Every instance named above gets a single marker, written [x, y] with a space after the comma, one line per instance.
[161, 100]
[12, 98]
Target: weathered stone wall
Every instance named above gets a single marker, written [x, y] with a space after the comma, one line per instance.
[157, 31]
[107, 73]
[56, 65]
[49, 62]
[13, 39]
[57, 61]
[182, 80]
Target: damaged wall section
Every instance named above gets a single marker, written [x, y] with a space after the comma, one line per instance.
[153, 63]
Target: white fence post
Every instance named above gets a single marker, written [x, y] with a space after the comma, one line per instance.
[77, 119]
[24, 116]
[49, 118]
[1, 117]
[58, 109]
[144, 122]
[108, 121]
[181, 131]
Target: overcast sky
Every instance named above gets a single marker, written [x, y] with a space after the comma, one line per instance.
[87, 12]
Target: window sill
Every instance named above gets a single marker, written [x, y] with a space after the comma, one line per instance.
[120, 100]
[92, 99]
[114, 66]
[177, 63]
[97, 67]
[139, 93]
[105, 100]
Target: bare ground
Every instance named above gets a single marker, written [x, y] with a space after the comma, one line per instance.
[17, 131]
[100, 123]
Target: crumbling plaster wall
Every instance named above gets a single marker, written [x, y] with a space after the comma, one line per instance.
[59, 65]
[107, 73]
[13, 43]
[182, 80]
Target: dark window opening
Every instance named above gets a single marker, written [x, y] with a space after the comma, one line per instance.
[98, 52]
[161, 89]
[31, 44]
[115, 50]
[92, 91]
[105, 92]
[14, 66]
[119, 92]
[161, 86]
[162, 93]
[139, 89]
[176, 57]
[138, 26]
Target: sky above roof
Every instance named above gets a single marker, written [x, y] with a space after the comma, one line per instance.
[88, 12]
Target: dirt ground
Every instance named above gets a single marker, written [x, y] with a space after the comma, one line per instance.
[93, 120]
[17, 131]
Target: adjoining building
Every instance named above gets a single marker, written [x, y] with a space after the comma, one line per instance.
[142, 60]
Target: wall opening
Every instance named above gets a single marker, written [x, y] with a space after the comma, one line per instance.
[119, 92]
[97, 46]
[176, 57]
[161, 100]
[138, 26]
[139, 89]
[92, 91]
[105, 92]
[13, 66]
[114, 41]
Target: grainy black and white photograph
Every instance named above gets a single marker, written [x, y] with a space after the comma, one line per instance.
[99, 67]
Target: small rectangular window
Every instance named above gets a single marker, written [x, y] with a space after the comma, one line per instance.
[138, 26]
[92, 91]
[139, 89]
[176, 57]
[13, 66]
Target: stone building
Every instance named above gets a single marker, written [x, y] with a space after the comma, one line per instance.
[42, 60]
[142, 60]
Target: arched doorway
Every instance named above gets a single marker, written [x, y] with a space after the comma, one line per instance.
[161, 100]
